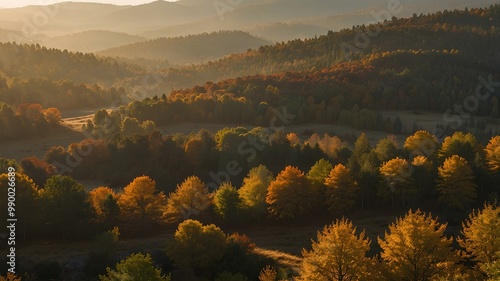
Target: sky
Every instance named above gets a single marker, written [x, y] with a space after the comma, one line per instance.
[22, 3]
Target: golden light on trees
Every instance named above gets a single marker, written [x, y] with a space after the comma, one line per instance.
[338, 254]
[416, 249]
[455, 184]
[289, 195]
[189, 199]
[493, 155]
[340, 189]
[481, 235]
[142, 200]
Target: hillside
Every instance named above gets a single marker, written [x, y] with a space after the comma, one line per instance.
[472, 33]
[34, 61]
[185, 17]
[91, 41]
[191, 49]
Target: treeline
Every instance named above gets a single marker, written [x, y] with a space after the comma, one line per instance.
[232, 152]
[35, 61]
[27, 120]
[473, 32]
[354, 94]
[191, 49]
[63, 94]
[455, 175]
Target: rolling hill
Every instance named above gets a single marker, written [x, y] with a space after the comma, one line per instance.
[91, 41]
[193, 49]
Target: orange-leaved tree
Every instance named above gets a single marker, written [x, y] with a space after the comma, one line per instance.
[289, 195]
[141, 199]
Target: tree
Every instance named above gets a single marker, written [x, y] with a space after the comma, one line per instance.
[131, 126]
[10, 277]
[461, 144]
[197, 246]
[137, 267]
[481, 235]
[386, 149]
[338, 254]
[52, 115]
[340, 189]
[396, 181]
[254, 189]
[141, 200]
[268, 274]
[227, 202]
[26, 193]
[416, 249]
[64, 202]
[361, 146]
[421, 143]
[289, 194]
[104, 201]
[493, 155]
[455, 184]
[190, 198]
[317, 175]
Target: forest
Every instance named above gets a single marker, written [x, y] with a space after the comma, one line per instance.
[416, 204]
[282, 180]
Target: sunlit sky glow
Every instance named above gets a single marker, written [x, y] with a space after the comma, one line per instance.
[22, 3]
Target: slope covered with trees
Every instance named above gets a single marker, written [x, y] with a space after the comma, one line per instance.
[192, 49]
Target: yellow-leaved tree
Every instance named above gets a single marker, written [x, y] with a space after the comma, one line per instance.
[493, 155]
[289, 195]
[416, 249]
[190, 198]
[421, 143]
[455, 184]
[338, 254]
[481, 236]
[396, 181]
[254, 189]
[142, 200]
[340, 189]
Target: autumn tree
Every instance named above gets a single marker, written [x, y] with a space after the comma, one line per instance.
[190, 198]
[421, 143]
[416, 249]
[493, 155]
[317, 175]
[455, 184]
[387, 149]
[254, 189]
[141, 200]
[135, 267]
[104, 201]
[340, 189]
[481, 237]
[196, 246]
[268, 274]
[227, 202]
[462, 144]
[52, 115]
[10, 277]
[289, 195]
[396, 181]
[64, 202]
[338, 254]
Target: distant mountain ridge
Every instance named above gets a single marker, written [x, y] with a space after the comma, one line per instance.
[185, 17]
[192, 49]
